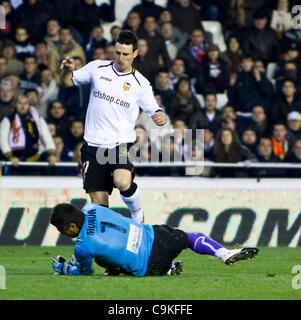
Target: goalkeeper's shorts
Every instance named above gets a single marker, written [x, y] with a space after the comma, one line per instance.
[168, 244]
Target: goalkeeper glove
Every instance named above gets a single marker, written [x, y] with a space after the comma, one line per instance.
[61, 266]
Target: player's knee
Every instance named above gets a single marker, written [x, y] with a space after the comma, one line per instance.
[122, 182]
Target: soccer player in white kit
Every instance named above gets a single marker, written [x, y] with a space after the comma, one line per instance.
[117, 93]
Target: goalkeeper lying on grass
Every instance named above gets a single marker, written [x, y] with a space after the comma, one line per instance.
[123, 245]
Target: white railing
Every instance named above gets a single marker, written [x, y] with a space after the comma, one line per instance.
[245, 164]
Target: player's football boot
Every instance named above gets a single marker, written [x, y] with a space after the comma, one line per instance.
[176, 268]
[239, 254]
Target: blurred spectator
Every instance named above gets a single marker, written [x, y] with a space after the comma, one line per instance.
[15, 83]
[6, 99]
[60, 151]
[228, 118]
[293, 35]
[33, 99]
[52, 36]
[35, 14]
[208, 144]
[75, 136]
[115, 31]
[294, 157]
[258, 122]
[76, 98]
[294, 123]
[99, 54]
[9, 22]
[48, 90]
[144, 62]
[286, 101]
[249, 88]
[66, 47]
[3, 67]
[186, 17]
[184, 103]
[155, 41]
[23, 46]
[52, 129]
[133, 22]
[171, 44]
[14, 65]
[169, 153]
[177, 71]
[162, 87]
[148, 8]
[41, 54]
[249, 139]
[281, 18]
[193, 52]
[282, 140]
[215, 72]
[288, 70]
[154, 132]
[30, 77]
[65, 10]
[264, 153]
[180, 35]
[88, 14]
[207, 117]
[96, 40]
[57, 114]
[25, 135]
[109, 51]
[261, 40]
[143, 146]
[241, 14]
[227, 149]
[233, 54]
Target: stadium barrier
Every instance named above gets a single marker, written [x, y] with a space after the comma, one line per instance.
[232, 211]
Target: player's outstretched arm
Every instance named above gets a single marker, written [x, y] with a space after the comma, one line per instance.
[67, 67]
[159, 118]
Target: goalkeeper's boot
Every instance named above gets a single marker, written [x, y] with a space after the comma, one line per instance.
[176, 268]
[239, 254]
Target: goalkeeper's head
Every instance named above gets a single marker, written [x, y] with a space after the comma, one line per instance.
[67, 219]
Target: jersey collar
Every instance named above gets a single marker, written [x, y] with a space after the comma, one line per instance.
[119, 74]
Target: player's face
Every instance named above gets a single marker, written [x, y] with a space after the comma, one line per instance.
[72, 230]
[124, 57]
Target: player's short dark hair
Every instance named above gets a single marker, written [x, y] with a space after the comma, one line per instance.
[129, 38]
[65, 213]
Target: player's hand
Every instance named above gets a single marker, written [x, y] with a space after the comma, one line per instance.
[159, 118]
[68, 64]
[60, 265]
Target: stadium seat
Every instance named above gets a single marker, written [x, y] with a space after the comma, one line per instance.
[122, 8]
[162, 3]
[271, 68]
[215, 28]
[222, 100]
[107, 28]
[201, 100]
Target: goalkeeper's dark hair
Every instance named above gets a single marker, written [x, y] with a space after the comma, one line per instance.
[65, 213]
[129, 38]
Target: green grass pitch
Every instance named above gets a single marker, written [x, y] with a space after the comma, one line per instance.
[29, 276]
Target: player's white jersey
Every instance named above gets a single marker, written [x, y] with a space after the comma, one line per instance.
[114, 103]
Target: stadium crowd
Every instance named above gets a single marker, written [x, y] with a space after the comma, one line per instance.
[244, 91]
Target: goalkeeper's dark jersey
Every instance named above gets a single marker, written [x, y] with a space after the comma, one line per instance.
[113, 240]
